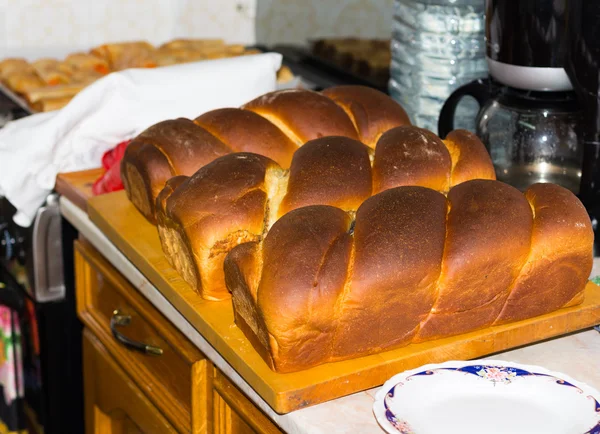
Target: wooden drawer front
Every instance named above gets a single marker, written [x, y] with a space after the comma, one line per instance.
[113, 403]
[165, 378]
[234, 413]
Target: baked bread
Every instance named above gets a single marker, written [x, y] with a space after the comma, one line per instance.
[51, 92]
[303, 115]
[52, 71]
[50, 104]
[220, 206]
[87, 63]
[273, 125]
[198, 228]
[14, 65]
[372, 112]
[19, 75]
[412, 266]
[126, 55]
[167, 149]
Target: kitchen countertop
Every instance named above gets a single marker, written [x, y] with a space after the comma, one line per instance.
[577, 355]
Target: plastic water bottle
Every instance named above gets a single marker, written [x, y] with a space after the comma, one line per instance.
[437, 46]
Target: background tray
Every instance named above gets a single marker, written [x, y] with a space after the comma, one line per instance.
[118, 219]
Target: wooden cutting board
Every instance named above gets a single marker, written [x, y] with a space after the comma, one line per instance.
[77, 186]
[138, 240]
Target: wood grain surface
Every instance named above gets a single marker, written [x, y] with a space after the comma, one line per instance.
[138, 240]
[77, 186]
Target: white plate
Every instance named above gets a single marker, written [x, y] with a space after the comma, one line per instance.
[486, 396]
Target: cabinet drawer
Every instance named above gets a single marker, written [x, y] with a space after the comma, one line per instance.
[113, 403]
[171, 371]
[233, 413]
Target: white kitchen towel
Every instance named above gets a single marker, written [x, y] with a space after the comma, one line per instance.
[117, 107]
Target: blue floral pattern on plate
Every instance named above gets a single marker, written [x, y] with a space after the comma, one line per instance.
[496, 374]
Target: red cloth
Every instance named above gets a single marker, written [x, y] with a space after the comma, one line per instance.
[111, 161]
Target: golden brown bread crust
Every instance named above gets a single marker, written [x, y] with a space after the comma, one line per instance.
[552, 277]
[144, 171]
[470, 159]
[245, 131]
[410, 155]
[329, 171]
[49, 104]
[222, 205]
[306, 255]
[413, 266]
[167, 149]
[336, 171]
[487, 243]
[14, 65]
[276, 123]
[38, 94]
[372, 112]
[398, 247]
[22, 82]
[87, 63]
[52, 71]
[126, 55]
[303, 115]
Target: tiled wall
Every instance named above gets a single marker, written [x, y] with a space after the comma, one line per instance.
[296, 21]
[55, 25]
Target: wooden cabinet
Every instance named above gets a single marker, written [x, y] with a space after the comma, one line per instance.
[141, 373]
[114, 404]
[233, 413]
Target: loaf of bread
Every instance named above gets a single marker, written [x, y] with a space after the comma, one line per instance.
[413, 265]
[237, 198]
[274, 125]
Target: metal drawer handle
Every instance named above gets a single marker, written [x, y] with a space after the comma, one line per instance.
[119, 320]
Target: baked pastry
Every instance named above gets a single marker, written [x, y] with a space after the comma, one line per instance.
[52, 71]
[194, 44]
[22, 82]
[245, 131]
[87, 63]
[53, 92]
[202, 219]
[303, 115]
[14, 65]
[167, 149]
[284, 75]
[81, 69]
[49, 104]
[412, 266]
[273, 125]
[126, 55]
[372, 112]
[368, 58]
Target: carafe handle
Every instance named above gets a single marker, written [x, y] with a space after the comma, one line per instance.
[478, 89]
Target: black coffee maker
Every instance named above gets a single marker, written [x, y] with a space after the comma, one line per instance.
[529, 114]
[583, 67]
[540, 107]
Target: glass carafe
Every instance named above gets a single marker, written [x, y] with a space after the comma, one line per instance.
[531, 136]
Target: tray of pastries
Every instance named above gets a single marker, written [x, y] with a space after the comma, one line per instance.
[48, 84]
[368, 59]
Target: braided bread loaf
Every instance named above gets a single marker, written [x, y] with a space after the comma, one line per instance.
[412, 266]
[273, 125]
[237, 197]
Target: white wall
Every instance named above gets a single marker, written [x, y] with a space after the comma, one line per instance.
[58, 26]
[296, 21]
